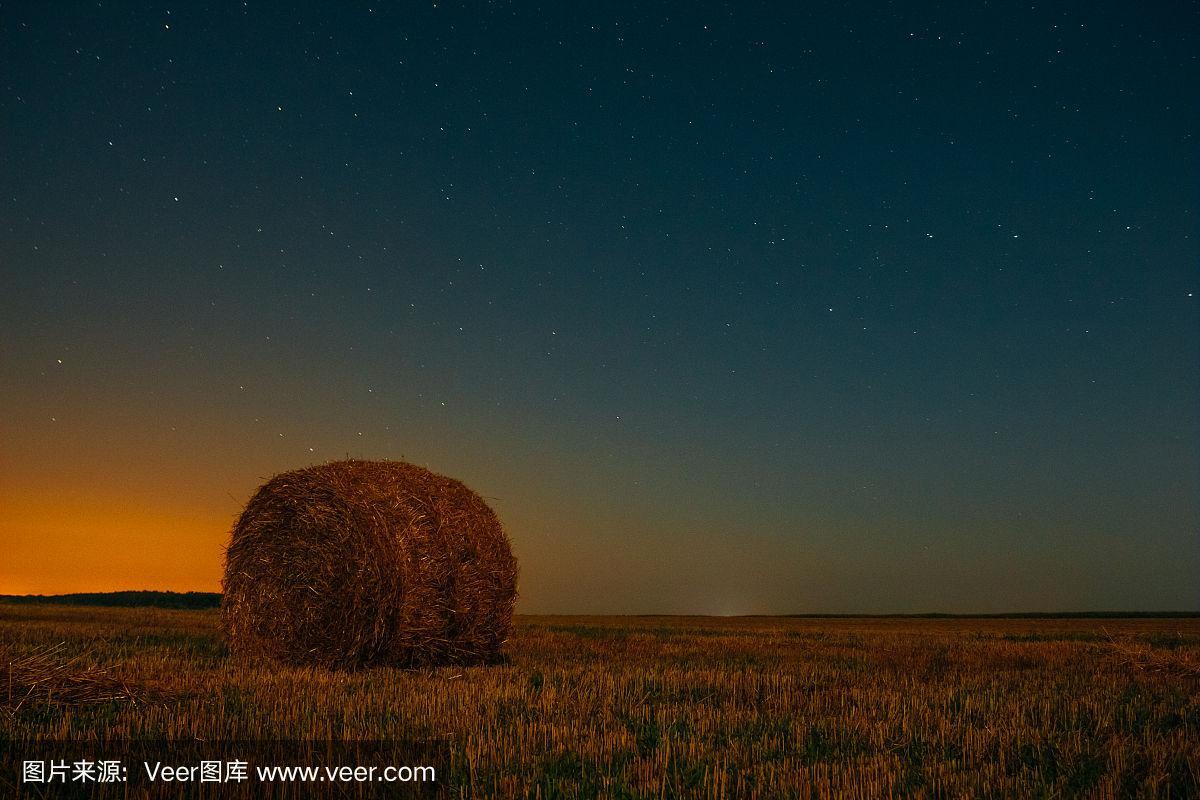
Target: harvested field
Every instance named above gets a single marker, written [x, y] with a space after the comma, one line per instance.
[692, 707]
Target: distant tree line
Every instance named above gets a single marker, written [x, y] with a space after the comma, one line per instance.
[202, 600]
[131, 599]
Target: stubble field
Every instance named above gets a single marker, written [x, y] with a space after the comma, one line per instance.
[629, 707]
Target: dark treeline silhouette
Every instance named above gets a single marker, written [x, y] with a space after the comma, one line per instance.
[131, 599]
[201, 600]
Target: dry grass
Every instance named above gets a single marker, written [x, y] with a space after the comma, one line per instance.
[43, 675]
[694, 707]
[1168, 658]
[357, 563]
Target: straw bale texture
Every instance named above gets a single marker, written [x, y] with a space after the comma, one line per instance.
[357, 563]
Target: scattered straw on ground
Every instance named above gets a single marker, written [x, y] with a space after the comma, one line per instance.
[46, 675]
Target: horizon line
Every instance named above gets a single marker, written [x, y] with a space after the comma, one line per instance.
[95, 597]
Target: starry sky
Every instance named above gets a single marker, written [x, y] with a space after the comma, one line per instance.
[725, 307]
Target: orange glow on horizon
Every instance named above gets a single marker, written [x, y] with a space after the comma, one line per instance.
[59, 545]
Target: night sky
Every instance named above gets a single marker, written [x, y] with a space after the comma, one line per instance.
[726, 308]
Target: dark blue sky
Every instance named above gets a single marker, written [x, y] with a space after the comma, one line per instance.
[728, 307]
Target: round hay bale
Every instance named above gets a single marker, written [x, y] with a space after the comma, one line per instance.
[357, 563]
